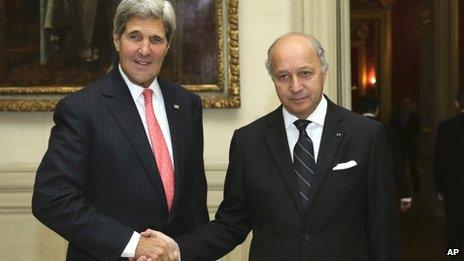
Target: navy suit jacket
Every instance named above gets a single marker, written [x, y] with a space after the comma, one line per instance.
[351, 215]
[401, 179]
[449, 153]
[98, 181]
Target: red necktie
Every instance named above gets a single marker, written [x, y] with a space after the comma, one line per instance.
[160, 149]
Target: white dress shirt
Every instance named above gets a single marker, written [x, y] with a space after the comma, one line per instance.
[161, 117]
[314, 129]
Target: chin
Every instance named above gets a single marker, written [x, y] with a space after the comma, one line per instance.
[144, 81]
[302, 113]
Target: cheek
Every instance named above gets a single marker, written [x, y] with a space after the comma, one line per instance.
[282, 92]
[129, 51]
[314, 86]
[159, 52]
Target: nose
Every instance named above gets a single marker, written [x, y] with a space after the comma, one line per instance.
[295, 84]
[144, 48]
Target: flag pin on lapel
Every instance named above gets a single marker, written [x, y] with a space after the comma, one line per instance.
[176, 106]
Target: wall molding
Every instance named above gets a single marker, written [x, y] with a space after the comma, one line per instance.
[16, 186]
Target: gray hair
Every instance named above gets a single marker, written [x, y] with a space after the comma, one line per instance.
[160, 9]
[315, 43]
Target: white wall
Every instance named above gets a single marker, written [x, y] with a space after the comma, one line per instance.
[260, 22]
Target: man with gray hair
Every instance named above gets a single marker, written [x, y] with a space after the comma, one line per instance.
[126, 152]
[312, 180]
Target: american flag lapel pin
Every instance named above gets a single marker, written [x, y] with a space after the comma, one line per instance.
[176, 106]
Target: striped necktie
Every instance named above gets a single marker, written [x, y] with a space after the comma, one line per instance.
[304, 163]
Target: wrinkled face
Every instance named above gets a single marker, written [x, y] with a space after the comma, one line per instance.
[142, 48]
[297, 74]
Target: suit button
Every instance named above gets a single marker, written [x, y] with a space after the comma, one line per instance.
[305, 237]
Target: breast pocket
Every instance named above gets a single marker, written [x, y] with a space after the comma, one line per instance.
[345, 185]
[344, 172]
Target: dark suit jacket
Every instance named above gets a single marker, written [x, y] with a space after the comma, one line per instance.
[449, 155]
[98, 181]
[401, 179]
[407, 134]
[351, 215]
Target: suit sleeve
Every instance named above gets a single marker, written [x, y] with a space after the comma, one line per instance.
[401, 180]
[439, 163]
[381, 212]
[199, 193]
[60, 184]
[232, 222]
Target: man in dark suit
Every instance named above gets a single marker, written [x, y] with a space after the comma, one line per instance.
[312, 180]
[126, 152]
[406, 124]
[449, 175]
[369, 107]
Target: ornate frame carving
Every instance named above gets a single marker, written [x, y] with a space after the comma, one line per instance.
[225, 94]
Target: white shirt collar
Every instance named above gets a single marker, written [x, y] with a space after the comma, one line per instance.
[136, 90]
[368, 114]
[318, 115]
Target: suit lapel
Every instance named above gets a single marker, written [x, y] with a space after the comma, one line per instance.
[124, 111]
[332, 136]
[172, 106]
[276, 139]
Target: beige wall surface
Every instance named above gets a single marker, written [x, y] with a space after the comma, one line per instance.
[24, 136]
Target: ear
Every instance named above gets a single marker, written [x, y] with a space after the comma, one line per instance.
[116, 41]
[167, 48]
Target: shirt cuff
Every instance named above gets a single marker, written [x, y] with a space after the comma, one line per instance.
[406, 199]
[129, 251]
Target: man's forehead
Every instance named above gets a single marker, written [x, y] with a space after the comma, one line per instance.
[292, 41]
[136, 22]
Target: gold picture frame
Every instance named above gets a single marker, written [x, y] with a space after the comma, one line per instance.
[224, 93]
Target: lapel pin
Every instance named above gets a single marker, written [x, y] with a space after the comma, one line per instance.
[176, 106]
[338, 135]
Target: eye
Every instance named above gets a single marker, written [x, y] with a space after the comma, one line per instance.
[306, 74]
[134, 37]
[156, 40]
[283, 76]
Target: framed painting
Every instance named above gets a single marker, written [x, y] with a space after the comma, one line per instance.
[49, 49]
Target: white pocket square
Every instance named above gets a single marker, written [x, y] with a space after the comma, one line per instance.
[345, 165]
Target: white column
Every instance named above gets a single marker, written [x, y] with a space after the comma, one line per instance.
[329, 22]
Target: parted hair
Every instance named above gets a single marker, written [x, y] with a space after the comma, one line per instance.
[160, 9]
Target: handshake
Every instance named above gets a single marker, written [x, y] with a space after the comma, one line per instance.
[154, 246]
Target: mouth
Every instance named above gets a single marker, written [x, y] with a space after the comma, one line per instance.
[298, 99]
[142, 63]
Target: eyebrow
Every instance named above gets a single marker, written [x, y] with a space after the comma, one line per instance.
[139, 32]
[311, 68]
[307, 68]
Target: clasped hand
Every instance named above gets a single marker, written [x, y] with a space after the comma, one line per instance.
[154, 245]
